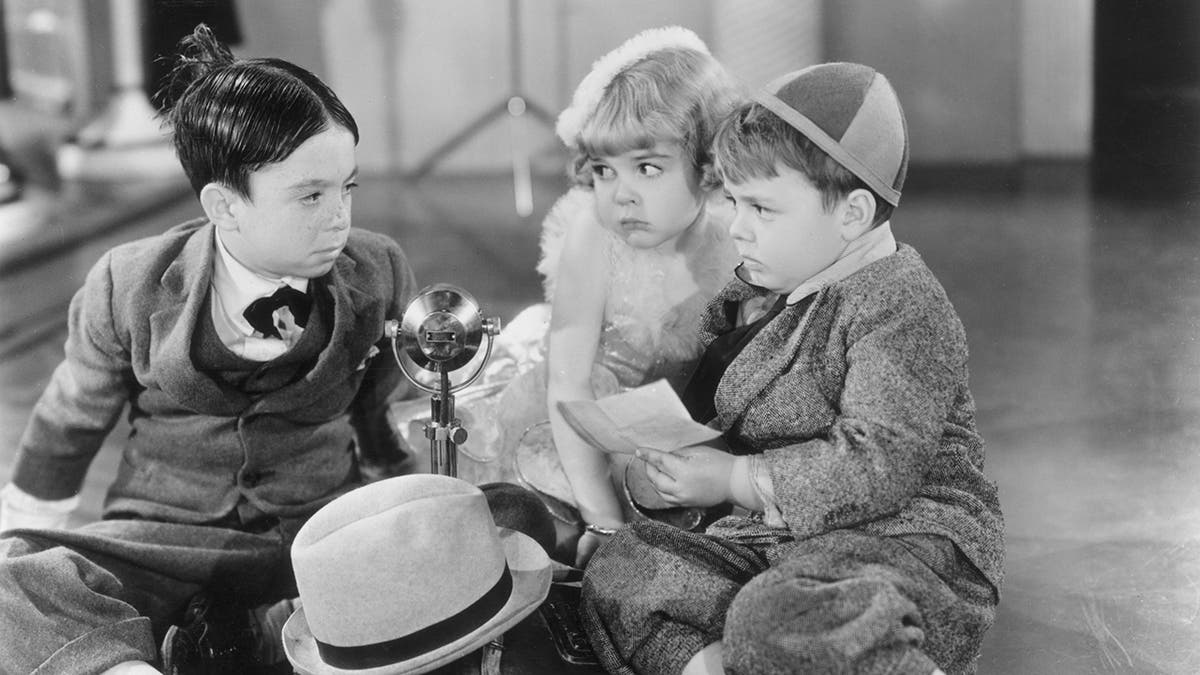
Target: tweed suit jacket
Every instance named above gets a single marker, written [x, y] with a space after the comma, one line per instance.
[860, 407]
[197, 449]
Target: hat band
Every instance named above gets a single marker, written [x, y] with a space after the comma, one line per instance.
[427, 639]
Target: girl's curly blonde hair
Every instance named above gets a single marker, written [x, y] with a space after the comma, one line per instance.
[671, 91]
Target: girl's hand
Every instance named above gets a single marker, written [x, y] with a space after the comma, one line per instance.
[696, 475]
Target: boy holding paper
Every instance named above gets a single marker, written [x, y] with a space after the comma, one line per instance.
[650, 415]
[836, 368]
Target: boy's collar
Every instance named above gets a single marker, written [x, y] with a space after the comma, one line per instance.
[238, 285]
[872, 245]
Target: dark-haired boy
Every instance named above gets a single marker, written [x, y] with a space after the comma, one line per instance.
[245, 418]
[837, 370]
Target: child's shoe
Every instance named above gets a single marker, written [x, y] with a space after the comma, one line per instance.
[225, 637]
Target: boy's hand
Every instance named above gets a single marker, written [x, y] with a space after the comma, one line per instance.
[696, 475]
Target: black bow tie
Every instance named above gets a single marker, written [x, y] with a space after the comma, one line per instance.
[261, 312]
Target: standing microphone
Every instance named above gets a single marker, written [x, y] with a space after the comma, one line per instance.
[441, 331]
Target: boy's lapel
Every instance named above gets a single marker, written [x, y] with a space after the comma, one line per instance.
[357, 325]
[184, 286]
[714, 320]
[759, 364]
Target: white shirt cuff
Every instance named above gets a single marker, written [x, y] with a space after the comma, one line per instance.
[21, 509]
[764, 487]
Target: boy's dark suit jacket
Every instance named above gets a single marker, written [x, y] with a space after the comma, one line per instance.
[196, 449]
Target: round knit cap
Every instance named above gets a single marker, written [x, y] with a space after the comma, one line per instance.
[852, 113]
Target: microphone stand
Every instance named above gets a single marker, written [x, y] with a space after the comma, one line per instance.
[441, 330]
[444, 431]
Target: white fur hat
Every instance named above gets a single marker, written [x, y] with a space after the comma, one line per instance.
[406, 575]
[591, 88]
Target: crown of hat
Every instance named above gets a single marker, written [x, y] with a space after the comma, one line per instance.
[852, 113]
[392, 558]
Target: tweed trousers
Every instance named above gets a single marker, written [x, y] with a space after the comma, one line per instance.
[83, 600]
[841, 602]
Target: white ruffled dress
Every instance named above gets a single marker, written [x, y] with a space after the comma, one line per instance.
[644, 337]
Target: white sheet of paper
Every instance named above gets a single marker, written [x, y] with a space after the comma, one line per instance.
[648, 416]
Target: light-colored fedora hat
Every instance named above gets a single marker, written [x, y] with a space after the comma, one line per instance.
[406, 575]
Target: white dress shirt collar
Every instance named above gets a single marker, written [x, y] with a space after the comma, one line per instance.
[234, 287]
[872, 245]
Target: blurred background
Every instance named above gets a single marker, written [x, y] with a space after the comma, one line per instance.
[1054, 186]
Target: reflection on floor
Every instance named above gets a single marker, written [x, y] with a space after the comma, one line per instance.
[1083, 313]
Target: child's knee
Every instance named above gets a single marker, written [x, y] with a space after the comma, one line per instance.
[622, 579]
[609, 571]
[778, 621]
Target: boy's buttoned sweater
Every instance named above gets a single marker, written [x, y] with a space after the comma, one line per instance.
[889, 560]
[861, 408]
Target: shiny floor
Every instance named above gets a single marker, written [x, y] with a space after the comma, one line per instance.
[1083, 312]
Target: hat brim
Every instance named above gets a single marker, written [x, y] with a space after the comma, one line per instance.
[530, 568]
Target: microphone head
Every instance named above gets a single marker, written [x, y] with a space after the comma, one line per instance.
[442, 328]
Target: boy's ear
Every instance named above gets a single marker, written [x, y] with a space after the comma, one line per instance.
[858, 213]
[220, 205]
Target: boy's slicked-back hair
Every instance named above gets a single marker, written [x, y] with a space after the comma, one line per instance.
[231, 117]
[753, 142]
[674, 94]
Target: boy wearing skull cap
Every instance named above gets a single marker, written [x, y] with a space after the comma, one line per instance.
[865, 536]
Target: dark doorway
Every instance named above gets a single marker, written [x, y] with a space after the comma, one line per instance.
[1147, 115]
